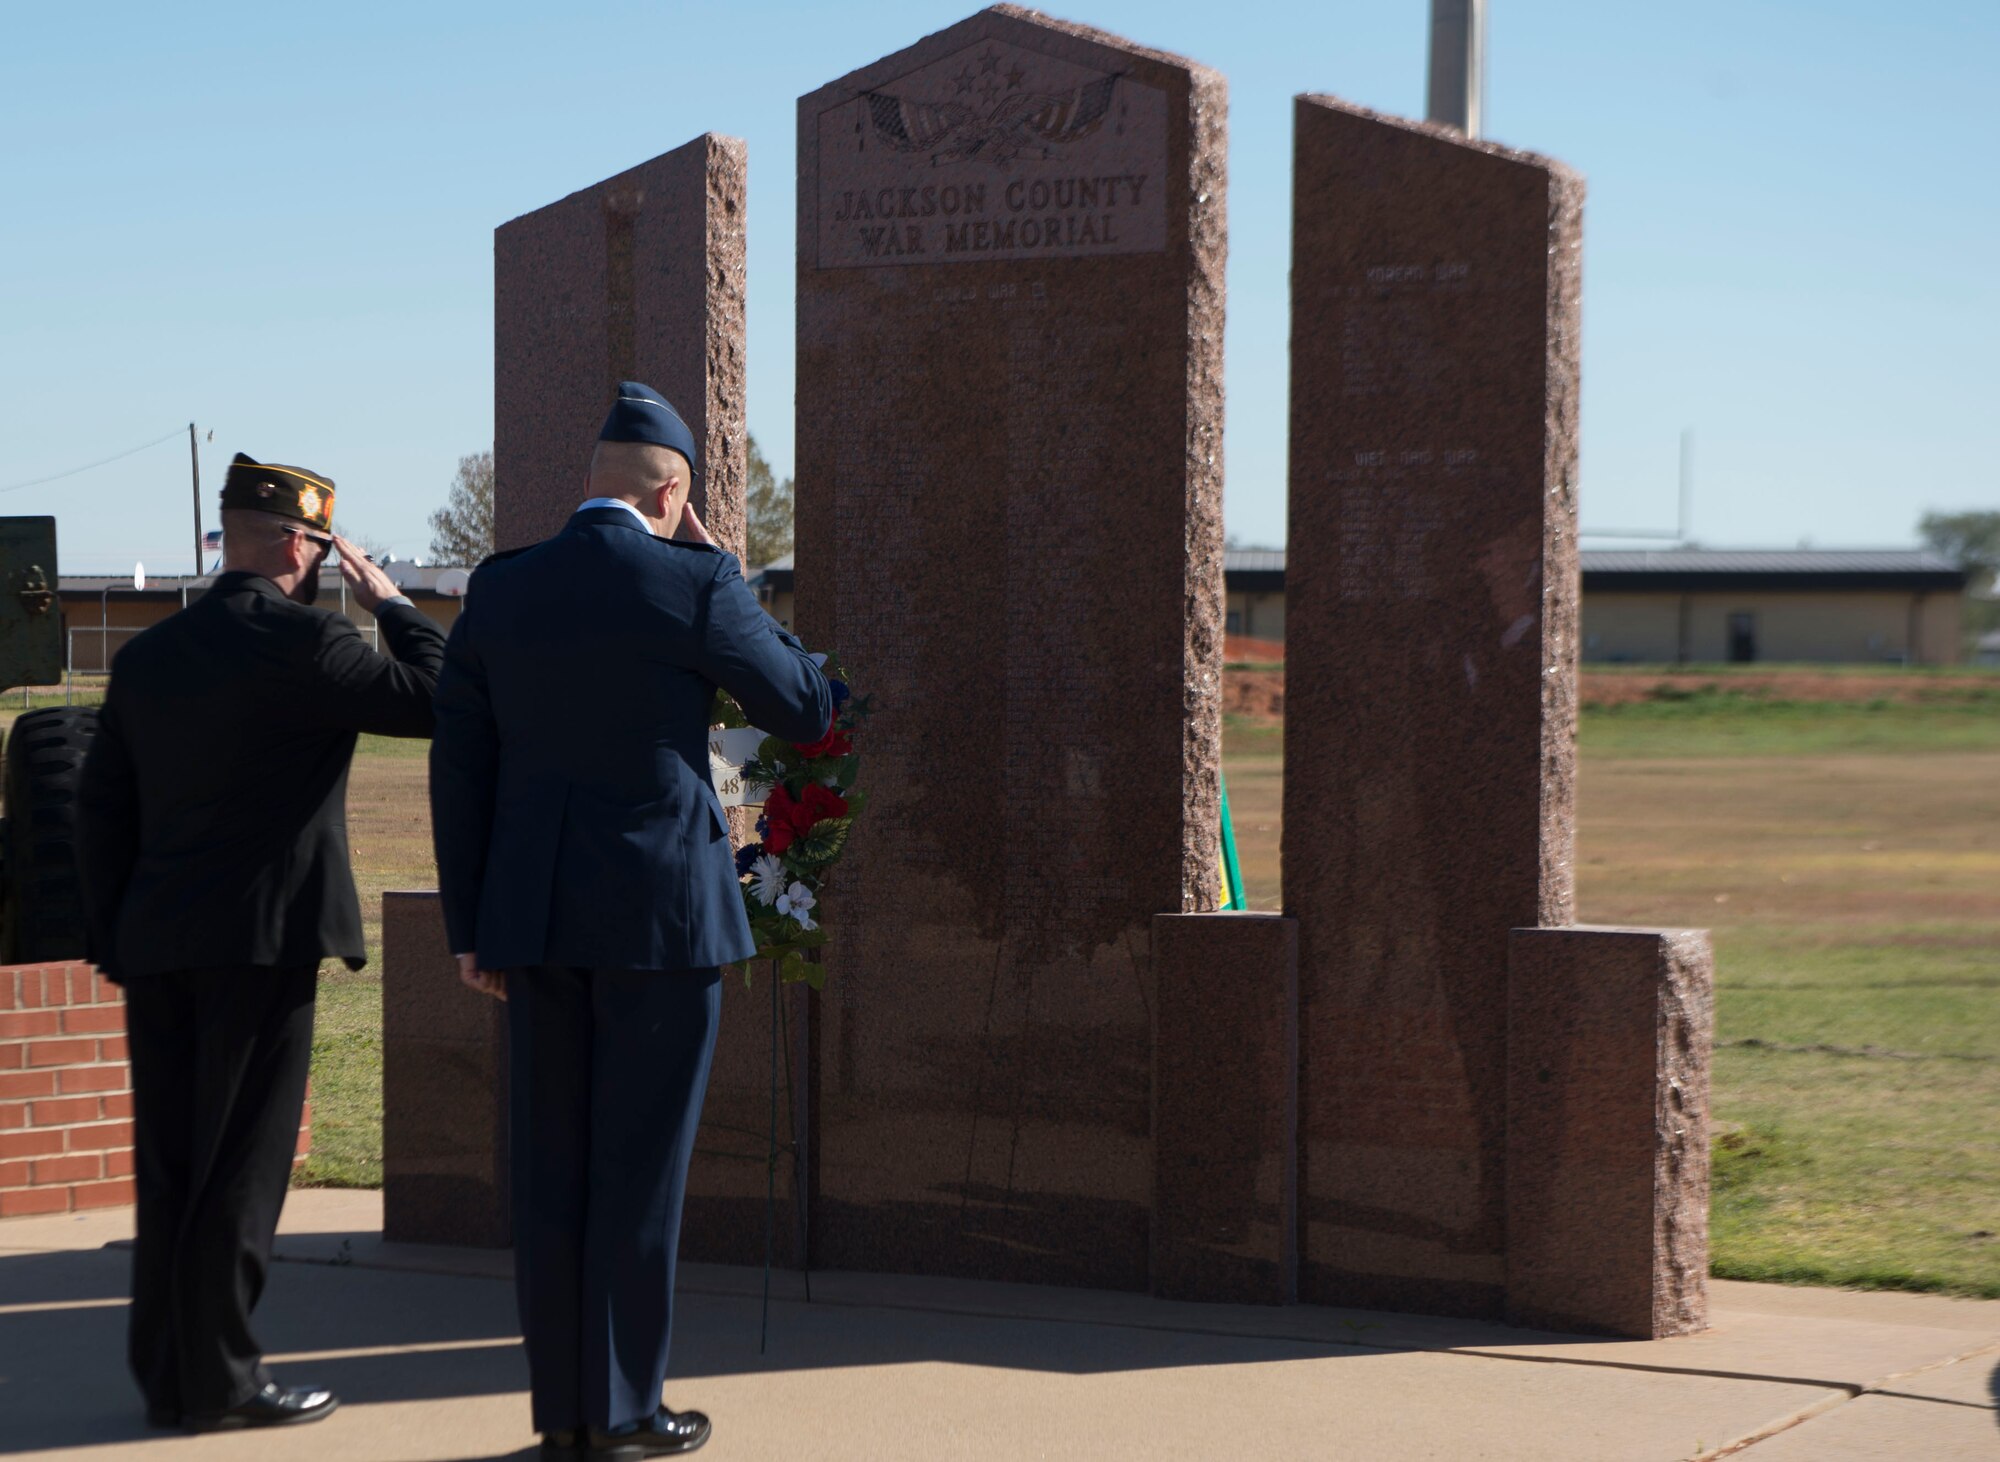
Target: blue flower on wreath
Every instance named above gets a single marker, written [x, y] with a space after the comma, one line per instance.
[747, 855]
[840, 693]
[763, 827]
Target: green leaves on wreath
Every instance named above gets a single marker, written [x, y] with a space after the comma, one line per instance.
[777, 936]
[795, 969]
[777, 760]
[822, 843]
[726, 713]
[761, 773]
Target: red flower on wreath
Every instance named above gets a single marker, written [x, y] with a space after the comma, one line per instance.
[836, 742]
[790, 818]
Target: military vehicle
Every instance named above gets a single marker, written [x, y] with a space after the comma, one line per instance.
[41, 895]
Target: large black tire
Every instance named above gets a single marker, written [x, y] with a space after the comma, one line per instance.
[43, 885]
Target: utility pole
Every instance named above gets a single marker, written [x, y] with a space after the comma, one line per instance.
[1687, 485]
[1458, 64]
[194, 463]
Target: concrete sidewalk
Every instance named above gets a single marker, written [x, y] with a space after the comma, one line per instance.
[421, 1344]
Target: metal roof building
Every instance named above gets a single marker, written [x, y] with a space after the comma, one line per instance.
[1756, 568]
[1682, 605]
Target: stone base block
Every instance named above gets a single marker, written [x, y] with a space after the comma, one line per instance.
[1225, 1108]
[1608, 1040]
[444, 1089]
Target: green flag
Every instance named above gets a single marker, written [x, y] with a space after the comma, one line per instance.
[1233, 896]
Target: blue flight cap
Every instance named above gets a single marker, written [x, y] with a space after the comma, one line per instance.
[641, 414]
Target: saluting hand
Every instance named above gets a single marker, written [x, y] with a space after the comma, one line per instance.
[365, 580]
[690, 530]
[486, 982]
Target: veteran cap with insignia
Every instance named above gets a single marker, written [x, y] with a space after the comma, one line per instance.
[290, 492]
[641, 414]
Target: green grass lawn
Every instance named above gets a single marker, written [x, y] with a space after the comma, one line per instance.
[389, 830]
[1847, 860]
[1878, 1172]
[1725, 723]
[346, 1083]
[1732, 670]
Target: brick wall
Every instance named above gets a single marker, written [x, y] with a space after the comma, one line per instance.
[66, 1092]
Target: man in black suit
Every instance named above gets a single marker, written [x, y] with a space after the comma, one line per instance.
[213, 840]
[587, 878]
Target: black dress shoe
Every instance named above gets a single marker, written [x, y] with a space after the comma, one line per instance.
[571, 1446]
[275, 1405]
[667, 1434]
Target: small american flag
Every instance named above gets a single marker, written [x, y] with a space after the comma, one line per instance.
[212, 538]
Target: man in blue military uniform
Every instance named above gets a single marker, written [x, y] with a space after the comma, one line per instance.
[587, 878]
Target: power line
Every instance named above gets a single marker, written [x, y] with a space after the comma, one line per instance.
[102, 462]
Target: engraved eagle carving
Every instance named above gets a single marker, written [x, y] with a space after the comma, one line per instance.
[1016, 123]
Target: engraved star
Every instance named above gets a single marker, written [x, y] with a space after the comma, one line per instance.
[989, 89]
[1015, 76]
[964, 79]
[989, 62]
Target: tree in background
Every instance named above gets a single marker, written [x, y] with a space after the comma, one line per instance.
[462, 530]
[1972, 541]
[767, 503]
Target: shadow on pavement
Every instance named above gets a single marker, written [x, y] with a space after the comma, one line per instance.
[380, 1336]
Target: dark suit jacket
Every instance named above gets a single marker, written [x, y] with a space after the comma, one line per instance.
[570, 795]
[212, 819]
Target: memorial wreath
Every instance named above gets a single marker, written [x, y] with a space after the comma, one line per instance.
[809, 807]
[810, 804]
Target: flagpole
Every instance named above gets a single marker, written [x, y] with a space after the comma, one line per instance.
[194, 464]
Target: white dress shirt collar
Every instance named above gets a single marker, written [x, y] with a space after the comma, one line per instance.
[614, 502]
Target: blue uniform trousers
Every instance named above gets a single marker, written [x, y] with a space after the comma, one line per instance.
[608, 1072]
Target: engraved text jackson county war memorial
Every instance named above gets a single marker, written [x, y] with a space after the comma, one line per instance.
[996, 152]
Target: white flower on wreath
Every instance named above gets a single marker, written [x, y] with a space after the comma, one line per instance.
[768, 880]
[796, 901]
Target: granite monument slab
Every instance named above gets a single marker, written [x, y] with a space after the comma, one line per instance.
[639, 277]
[1430, 717]
[1010, 288]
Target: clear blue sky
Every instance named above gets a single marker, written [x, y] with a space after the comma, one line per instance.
[276, 220]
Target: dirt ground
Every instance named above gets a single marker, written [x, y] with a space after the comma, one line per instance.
[1241, 649]
[1259, 694]
[1617, 687]
[1256, 694]
[389, 825]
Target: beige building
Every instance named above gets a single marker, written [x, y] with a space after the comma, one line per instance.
[102, 613]
[1715, 606]
[1254, 586]
[773, 587]
[1683, 606]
